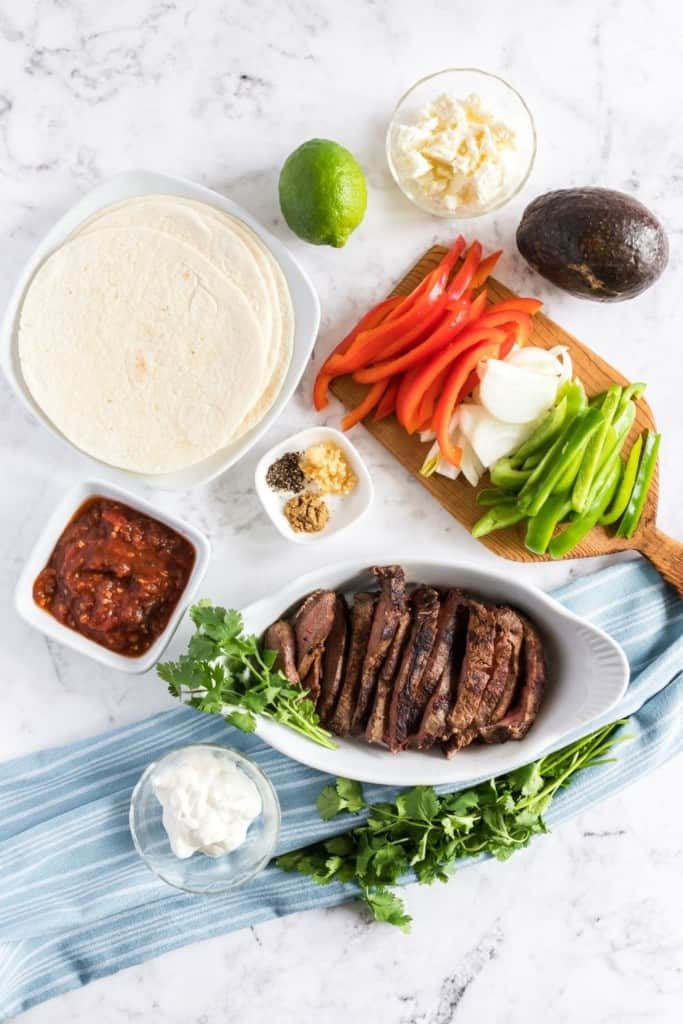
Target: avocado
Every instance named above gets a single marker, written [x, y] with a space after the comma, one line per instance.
[593, 242]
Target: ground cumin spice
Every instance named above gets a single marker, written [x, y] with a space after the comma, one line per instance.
[307, 513]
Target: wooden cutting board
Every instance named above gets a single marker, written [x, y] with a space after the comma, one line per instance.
[458, 497]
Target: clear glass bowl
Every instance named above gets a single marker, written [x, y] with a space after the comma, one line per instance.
[200, 873]
[499, 99]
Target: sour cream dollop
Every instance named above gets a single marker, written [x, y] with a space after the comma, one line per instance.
[208, 803]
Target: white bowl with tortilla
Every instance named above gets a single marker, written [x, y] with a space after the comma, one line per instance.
[159, 329]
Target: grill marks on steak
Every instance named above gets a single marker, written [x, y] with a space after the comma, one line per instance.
[333, 660]
[476, 667]
[440, 654]
[312, 624]
[390, 605]
[425, 613]
[280, 638]
[377, 724]
[361, 622]
[516, 723]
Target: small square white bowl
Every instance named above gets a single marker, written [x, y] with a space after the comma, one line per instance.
[345, 510]
[44, 546]
[129, 185]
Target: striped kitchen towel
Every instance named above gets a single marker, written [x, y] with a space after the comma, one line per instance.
[77, 904]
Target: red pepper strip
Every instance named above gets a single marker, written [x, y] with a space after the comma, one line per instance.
[413, 387]
[485, 269]
[520, 304]
[387, 403]
[372, 318]
[445, 332]
[463, 279]
[518, 323]
[477, 307]
[429, 399]
[453, 388]
[367, 405]
[438, 276]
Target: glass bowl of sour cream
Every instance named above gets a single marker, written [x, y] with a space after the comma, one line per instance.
[204, 818]
[461, 143]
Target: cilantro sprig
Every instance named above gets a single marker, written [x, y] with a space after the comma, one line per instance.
[225, 672]
[426, 833]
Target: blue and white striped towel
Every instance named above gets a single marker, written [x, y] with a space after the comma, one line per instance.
[77, 904]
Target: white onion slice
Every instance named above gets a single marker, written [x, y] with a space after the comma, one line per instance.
[516, 394]
[555, 361]
[491, 438]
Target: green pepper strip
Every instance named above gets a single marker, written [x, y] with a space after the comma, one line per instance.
[504, 475]
[532, 460]
[634, 510]
[497, 518]
[495, 496]
[592, 455]
[544, 434]
[599, 500]
[547, 474]
[618, 506]
[541, 527]
[564, 484]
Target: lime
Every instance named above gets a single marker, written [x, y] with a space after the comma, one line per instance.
[323, 194]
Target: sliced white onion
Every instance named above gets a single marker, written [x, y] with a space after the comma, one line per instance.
[489, 437]
[561, 353]
[516, 394]
[427, 435]
[471, 466]
[555, 361]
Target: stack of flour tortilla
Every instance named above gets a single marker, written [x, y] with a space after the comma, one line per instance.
[158, 334]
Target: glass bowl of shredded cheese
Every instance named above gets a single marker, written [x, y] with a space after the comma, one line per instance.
[461, 143]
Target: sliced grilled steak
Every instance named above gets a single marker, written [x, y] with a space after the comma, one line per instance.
[476, 668]
[361, 621]
[509, 686]
[425, 615]
[280, 638]
[377, 724]
[522, 715]
[433, 726]
[333, 660]
[312, 624]
[390, 605]
[440, 655]
[313, 677]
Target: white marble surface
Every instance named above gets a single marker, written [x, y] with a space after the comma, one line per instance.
[586, 925]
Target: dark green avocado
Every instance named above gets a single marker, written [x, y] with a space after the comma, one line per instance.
[593, 242]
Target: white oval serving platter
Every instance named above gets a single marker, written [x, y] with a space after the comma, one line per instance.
[587, 674]
[129, 185]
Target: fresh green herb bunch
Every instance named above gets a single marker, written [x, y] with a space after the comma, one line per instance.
[427, 834]
[224, 668]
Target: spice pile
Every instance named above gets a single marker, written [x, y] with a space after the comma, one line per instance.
[323, 469]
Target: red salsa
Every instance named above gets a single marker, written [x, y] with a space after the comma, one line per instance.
[115, 576]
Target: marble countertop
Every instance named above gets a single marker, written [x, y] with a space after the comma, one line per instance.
[582, 925]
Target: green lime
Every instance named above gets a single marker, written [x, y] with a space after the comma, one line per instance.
[323, 194]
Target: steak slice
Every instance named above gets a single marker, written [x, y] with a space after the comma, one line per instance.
[390, 604]
[312, 624]
[433, 725]
[440, 654]
[361, 621]
[333, 660]
[425, 615]
[522, 715]
[501, 685]
[312, 681]
[377, 724]
[476, 668]
[280, 638]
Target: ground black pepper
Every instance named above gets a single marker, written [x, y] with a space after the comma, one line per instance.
[286, 474]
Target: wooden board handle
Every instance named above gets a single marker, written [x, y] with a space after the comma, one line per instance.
[666, 554]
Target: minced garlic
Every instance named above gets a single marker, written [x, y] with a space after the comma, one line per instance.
[327, 466]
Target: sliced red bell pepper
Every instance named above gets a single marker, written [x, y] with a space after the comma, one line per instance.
[365, 406]
[518, 304]
[463, 278]
[429, 399]
[477, 307]
[485, 269]
[446, 331]
[452, 391]
[372, 318]
[412, 389]
[439, 277]
[519, 324]
[387, 403]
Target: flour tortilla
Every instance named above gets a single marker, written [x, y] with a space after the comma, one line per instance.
[239, 253]
[139, 350]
